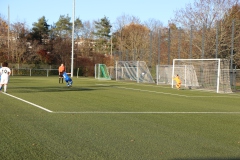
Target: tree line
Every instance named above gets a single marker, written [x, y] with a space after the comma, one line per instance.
[204, 29]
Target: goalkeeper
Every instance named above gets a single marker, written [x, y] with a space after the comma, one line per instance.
[178, 81]
[67, 79]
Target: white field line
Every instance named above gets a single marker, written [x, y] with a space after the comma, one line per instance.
[35, 105]
[95, 112]
[230, 95]
[180, 95]
[141, 90]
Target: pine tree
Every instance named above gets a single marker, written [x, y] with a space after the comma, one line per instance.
[103, 29]
[40, 29]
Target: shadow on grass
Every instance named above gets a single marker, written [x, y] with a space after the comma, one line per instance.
[56, 89]
[49, 89]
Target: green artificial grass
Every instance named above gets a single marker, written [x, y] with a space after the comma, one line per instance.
[115, 120]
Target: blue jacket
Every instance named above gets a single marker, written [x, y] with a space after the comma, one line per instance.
[66, 77]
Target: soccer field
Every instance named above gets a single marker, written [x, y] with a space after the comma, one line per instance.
[108, 120]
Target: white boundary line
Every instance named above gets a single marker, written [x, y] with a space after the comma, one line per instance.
[151, 91]
[164, 86]
[35, 105]
[180, 95]
[95, 112]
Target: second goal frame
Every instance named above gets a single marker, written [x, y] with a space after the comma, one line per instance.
[205, 73]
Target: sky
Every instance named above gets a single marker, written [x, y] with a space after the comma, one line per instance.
[30, 11]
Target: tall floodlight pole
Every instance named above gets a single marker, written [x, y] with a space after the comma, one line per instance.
[8, 28]
[232, 49]
[73, 19]
[111, 45]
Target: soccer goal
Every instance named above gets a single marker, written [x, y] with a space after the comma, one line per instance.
[101, 72]
[205, 74]
[133, 71]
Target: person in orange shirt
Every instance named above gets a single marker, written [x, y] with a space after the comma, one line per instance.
[178, 81]
[61, 69]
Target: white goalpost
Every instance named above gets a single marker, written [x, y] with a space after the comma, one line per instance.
[205, 74]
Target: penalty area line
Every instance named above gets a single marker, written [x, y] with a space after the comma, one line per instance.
[35, 105]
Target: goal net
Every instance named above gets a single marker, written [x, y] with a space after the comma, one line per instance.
[101, 72]
[133, 71]
[164, 74]
[206, 74]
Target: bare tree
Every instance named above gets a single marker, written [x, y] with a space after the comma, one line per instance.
[133, 39]
[201, 12]
[3, 38]
[85, 44]
[200, 22]
[19, 45]
[229, 39]
[125, 20]
[154, 25]
[156, 29]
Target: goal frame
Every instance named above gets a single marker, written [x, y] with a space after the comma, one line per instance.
[218, 60]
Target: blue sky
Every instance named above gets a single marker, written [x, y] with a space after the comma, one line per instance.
[30, 11]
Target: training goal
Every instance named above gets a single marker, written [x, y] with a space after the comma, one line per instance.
[101, 72]
[205, 74]
[164, 74]
[133, 71]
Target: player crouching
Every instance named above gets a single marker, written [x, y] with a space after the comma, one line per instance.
[178, 81]
[67, 79]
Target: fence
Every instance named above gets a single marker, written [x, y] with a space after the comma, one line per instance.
[54, 72]
[236, 85]
[161, 46]
[32, 66]
[34, 72]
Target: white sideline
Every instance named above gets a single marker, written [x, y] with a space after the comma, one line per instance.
[95, 112]
[29, 102]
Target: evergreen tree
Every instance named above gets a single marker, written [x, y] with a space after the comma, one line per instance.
[103, 29]
[64, 26]
[40, 29]
[78, 26]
